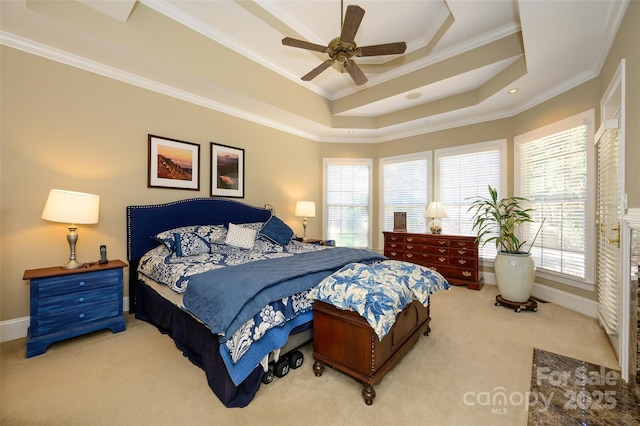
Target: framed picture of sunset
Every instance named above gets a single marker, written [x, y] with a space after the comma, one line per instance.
[173, 164]
[227, 171]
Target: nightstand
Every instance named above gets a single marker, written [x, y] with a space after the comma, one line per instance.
[67, 303]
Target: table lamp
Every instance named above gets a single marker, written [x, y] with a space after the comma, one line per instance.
[306, 209]
[73, 208]
[436, 211]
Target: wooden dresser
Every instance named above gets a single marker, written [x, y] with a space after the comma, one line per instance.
[454, 256]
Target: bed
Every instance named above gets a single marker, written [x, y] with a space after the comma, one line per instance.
[214, 313]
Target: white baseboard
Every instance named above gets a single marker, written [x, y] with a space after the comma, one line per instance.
[17, 328]
[548, 294]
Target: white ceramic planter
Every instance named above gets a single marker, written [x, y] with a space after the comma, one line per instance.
[515, 275]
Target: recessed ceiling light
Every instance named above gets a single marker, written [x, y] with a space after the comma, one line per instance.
[513, 91]
[350, 132]
[413, 95]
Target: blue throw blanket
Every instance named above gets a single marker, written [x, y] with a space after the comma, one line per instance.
[227, 297]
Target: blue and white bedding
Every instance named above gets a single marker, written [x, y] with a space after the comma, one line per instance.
[253, 329]
[379, 291]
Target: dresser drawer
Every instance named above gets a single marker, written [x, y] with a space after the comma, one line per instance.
[55, 286]
[393, 245]
[467, 243]
[463, 262]
[437, 250]
[416, 240]
[77, 317]
[438, 242]
[69, 302]
[394, 254]
[462, 252]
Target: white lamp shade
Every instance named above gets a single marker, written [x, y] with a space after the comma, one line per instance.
[71, 207]
[306, 209]
[436, 210]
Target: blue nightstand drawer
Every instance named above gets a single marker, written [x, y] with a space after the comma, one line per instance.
[65, 320]
[54, 286]
[69, 302]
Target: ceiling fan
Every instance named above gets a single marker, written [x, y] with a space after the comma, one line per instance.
[344, 48]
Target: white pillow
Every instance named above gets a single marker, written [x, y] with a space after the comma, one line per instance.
[240, 237]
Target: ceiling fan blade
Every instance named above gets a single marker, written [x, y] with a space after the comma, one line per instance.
[382, 49]
[351, 22]
[317, 70]
[288, 41]
[355, 72]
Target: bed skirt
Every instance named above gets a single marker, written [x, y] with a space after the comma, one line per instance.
[198, 344]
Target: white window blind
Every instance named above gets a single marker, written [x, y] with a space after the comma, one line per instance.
[464, 173]
[608, 238]
[348, 201]
[551, 169]
[405, 188]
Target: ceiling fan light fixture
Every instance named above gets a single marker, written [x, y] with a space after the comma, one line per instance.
[413, 95]
[513, 91]
[343, 48]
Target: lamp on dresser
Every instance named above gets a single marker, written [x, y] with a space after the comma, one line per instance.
[74, 208]
[435, 211]
[305, 209]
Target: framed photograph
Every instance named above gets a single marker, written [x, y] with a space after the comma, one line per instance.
[173, 164]
[227, 171]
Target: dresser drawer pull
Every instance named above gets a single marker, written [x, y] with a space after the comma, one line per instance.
[81, 300]
[462, 261]
[409, 239]
[442, 259]
[409, 246]
[462, 243]
[466, 273]
[81, 283]
[394, 238]
[394, 253]
[462, 251]
[442, 250]
[394, 245]
[409, 255]
[81, 316]
[442, 242]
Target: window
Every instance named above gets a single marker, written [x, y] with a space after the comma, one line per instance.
[554, 168]
[405, 182]
[347, 192]
[463, 173]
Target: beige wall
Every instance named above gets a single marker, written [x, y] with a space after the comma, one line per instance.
[66, 128]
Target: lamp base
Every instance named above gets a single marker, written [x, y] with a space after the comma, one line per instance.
[72, 264]
[435, 226]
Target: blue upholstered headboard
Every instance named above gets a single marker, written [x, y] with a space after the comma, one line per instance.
[143, 222]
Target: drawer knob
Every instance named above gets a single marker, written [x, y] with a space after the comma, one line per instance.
[409, 239]
[442, 242]
[442, 250]
[409, 246]
[442, 259]
[466, 273]
[81, 316]
[81, 300]
[409, 255]
[393, 253]
[462, 261]
[81, 283]
[462, 251]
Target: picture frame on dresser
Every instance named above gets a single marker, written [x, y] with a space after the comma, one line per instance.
[173, 164]
[227, 171]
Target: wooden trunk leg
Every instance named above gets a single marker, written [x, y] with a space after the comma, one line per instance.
[368, 393]
[318, 368]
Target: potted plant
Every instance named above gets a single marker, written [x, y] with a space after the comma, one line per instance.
[497, 220]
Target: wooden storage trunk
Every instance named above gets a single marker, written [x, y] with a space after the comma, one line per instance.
[345, 341]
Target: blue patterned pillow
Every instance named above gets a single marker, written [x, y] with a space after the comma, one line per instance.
[210, 233]
[277, 231]
[191, 244]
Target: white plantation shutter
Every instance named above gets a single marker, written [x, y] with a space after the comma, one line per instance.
[463, 174]
[608, 217]
[552, 171]
[405, 188]
[348, 201]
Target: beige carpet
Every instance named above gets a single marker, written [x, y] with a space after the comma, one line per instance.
[138, 377]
